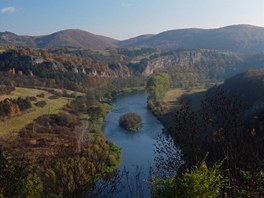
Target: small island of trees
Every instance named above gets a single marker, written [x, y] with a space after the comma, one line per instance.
[130, 121]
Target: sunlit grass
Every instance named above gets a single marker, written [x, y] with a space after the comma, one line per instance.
[172, 98]
[16, 123]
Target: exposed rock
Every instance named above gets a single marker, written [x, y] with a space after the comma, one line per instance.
[202, 60]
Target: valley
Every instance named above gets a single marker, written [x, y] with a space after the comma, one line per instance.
[198, 93]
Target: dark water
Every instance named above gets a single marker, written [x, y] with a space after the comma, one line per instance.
[137, 147]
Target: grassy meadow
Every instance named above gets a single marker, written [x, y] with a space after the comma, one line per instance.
[173, 98]
[53, 106]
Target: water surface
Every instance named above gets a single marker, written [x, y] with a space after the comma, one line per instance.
[137, 147]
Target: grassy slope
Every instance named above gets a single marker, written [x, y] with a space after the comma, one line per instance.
[15, 124]
[193, 97]
[174, 99]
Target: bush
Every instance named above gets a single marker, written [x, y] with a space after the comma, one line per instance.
[41, 103]
[130, 121]
[200, 181]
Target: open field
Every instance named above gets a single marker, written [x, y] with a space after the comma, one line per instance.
[61, 91]
[172, 99]
[16, 123]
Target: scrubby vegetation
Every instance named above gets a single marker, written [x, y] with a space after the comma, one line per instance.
[130, 121]
[222, 128]
[12, 107]
[67, 174]
[32, 96]
[200, 181]
[157, 86]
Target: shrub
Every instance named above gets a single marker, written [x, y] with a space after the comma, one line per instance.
[200, 181]
[41, 103]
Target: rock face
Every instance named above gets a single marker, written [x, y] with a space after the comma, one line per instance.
[14, 63]
[202, 60]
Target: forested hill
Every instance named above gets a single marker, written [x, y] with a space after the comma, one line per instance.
[236, 38]
[73, 38]
[248, 87]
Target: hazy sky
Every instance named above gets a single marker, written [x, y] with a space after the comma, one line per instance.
[122, 19]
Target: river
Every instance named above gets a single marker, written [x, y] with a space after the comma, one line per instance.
[137, 147]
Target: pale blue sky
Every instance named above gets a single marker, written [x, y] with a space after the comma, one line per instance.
[122, 19]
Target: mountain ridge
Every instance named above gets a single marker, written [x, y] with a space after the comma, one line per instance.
[237, 38]
[70, 37]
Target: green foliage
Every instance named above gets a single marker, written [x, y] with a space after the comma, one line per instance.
[252, 184]
[97, 115]
[23, 104]
[75, 176]
[33, 186]
[200, 181]
[184, 79]
[157, 85]
[16, 180]
[70, 175]
[130, 121]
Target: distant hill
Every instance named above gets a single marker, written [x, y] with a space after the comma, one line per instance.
[73, 38]
[135, 41]
[237, 38]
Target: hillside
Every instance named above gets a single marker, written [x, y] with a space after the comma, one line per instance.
[73, 38]
[249, 88]
[237, 38]
[210, 63]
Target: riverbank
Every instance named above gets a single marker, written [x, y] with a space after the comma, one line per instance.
[175, 98]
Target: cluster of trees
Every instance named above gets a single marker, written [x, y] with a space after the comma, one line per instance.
[199, 181]
[6, 89]
[97, 113]
[130, 121]
[184, 79]
[219, 131]
[76, 176]
[70, 175]
[11, 107]
[157, 86]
